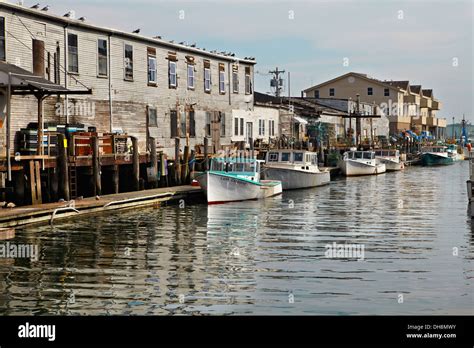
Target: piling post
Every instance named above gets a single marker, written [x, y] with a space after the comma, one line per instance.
[116, 178]
[177, 176]
[62, 162]
[136, 165]
[184, 168]
[252, 152]
[154, 163]
[96, 170]
[206, 155]
[192, 162]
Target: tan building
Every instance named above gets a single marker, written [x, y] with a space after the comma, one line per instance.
[407, 107]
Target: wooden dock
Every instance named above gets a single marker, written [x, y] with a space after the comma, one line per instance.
[48, 213]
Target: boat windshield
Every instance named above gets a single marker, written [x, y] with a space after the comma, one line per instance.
[234, 165]
[285, 156]
[368, 155]
[298, 156]
[273, 157]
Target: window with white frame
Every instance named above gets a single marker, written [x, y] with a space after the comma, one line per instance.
[236, 126]
[173, 81]
[102, 54]
[128, 62]
[261, 127]
[152, 73]
[207, 79]
[271, 129]
[221, 79]
[190, 76]
[235, 79]
[72, 53]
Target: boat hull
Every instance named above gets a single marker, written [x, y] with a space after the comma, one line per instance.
[221, 188]
[292, 179]
[392, 166]
[355, 168]
[428, 159]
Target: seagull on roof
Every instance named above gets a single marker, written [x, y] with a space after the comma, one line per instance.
[45, 9]
[67, 15]
[82, 19]
[137, 31]
[36, 6]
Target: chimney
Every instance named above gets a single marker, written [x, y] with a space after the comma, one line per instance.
[38, 58]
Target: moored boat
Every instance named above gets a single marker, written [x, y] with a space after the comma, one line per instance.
[355, 163]
[236, 179]
[435, 155]
[391, 159]
[296, 169]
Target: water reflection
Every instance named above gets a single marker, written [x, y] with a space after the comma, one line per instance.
[261, 257]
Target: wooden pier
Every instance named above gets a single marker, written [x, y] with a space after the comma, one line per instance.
[48, 213]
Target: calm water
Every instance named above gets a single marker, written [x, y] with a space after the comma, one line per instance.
[265, 257]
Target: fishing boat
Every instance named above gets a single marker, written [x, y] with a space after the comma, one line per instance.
[435, 155]
[296, 169]
[355, 163]
[236, 179]
[391, 159]
[454, 153]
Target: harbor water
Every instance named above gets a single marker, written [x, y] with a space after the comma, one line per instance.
[264, 257]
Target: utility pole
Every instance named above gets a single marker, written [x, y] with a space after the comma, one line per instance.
[276, 81]
[453, 128]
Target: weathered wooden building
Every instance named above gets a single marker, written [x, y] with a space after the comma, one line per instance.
[145, 87]
[153, 92]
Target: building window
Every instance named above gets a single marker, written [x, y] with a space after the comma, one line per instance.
[174, 123]
[182, 124]
[370, 91]
[222, 118]
[221, 79]
[208, 124]
[72, 53]
[128, 62]
[152, 73]
[207, 76]
[102, 57]
[261, 127]
[190, 76]
[152, 117]
[386, 92]
[316, 93]
[3, 55]
[173, 82]
[271, 126]
[248, 81]
[235, 79]
[236, 126]
[192, 124]
[332, 92]
[241, 127]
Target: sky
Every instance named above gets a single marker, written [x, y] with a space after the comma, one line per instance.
[426, 42]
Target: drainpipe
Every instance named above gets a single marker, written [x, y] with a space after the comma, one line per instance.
[9, 97]
[66, 67]
[110, 83]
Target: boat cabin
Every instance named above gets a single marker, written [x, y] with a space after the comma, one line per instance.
[356, 155]
[292, 157]
[235, 165]
[387, 153]
[434, 149]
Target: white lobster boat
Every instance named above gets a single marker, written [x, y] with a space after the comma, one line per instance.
[296, 169]
[355, 163]
[236, 179]
[391, 159]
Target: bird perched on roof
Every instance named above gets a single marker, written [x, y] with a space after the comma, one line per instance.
[82, 19]
[36, 6]
[69, 14]
[193, 45]
[137, 31]
[45, 9]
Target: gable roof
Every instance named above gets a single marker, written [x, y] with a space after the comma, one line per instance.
[415, 89]
[353, 74]
[405, 85]
[427, 93]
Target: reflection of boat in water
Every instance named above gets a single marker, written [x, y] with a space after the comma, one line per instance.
[355, 163]
[435, 155]
[295, 169]
[236, 179]
[391, 159]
